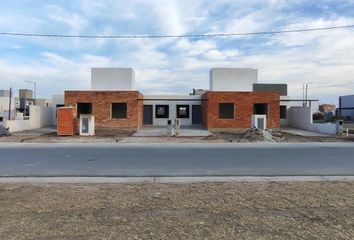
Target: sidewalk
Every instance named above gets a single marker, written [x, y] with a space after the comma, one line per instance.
[36, 132]
[163, 132]
[304, 133]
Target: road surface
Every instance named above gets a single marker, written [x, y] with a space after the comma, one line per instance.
[259, 159]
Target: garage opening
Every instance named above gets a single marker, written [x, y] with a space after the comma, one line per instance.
[260, 108]
[84, 108]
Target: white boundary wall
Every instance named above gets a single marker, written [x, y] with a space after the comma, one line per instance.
[39, 117]
[301, 117]
[288, 102]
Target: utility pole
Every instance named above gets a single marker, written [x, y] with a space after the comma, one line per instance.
[10, 103]
[303, 94]
[306, 93]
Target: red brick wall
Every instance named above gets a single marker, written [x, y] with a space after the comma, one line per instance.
[243, 108]
[101, 106]
[66, 121]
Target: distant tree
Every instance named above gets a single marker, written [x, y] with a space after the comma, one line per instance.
[318, 116]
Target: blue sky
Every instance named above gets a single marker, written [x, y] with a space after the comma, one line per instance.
[165, 66]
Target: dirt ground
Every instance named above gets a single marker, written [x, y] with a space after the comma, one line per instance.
[126, 137]
[238, 210]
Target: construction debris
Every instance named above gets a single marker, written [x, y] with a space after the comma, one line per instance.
[259, 135]
[4, 131]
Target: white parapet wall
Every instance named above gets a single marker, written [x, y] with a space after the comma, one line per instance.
[39, 117]
[112, 79]
[301, 117]
[232, 79]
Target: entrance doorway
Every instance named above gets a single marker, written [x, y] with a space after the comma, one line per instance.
[147, 114]
[196, 114]
[84, 108]
[260, 108]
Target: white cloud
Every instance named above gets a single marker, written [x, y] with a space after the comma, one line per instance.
[73, 23]
[215, 54]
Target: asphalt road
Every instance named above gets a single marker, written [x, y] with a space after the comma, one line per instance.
[316, 159]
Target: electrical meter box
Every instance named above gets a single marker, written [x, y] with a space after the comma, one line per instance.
[259, 121]
[87, 125]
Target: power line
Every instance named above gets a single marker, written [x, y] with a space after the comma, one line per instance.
[176, 36]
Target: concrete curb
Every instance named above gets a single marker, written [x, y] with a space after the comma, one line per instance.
[174, 179]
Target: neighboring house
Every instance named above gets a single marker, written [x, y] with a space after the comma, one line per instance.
[346, 106]
[327, 108]
[230, 103]
[42, 102]
[4, 93]
[285, 101]
[326, 112]
[25, 115]
[4, 106]
[25, 100]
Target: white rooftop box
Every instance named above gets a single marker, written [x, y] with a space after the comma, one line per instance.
[232, 79]
[112, 79]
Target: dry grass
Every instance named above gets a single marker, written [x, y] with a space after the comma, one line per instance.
[319, 210]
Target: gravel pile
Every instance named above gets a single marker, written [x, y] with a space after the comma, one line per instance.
[259, 135]
[4, 131]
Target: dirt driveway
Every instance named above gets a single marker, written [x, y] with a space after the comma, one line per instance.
[239, 210]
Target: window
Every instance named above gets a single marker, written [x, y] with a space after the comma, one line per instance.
[161, 111]
[119, 110]
[226, 110]
[282, 112]
[182, 111]
[1, 119]
[84, 108]
[260, 108]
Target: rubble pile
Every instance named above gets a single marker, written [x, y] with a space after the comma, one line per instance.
[4, 131]
[259, 135]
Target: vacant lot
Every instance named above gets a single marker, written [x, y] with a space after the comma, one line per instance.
[311, 210]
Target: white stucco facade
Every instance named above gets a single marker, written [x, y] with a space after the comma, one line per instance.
[288, 102]
[4, 109]
[301, 117]
[112, 79]
[232, 79]
[39, 117]
[172, 101]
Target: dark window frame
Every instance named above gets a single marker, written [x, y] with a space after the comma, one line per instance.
[178, 113]
[117, 113]
[166, 111]
[225, 110]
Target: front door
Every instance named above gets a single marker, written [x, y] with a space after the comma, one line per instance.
[196, 114]
[147, 114]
